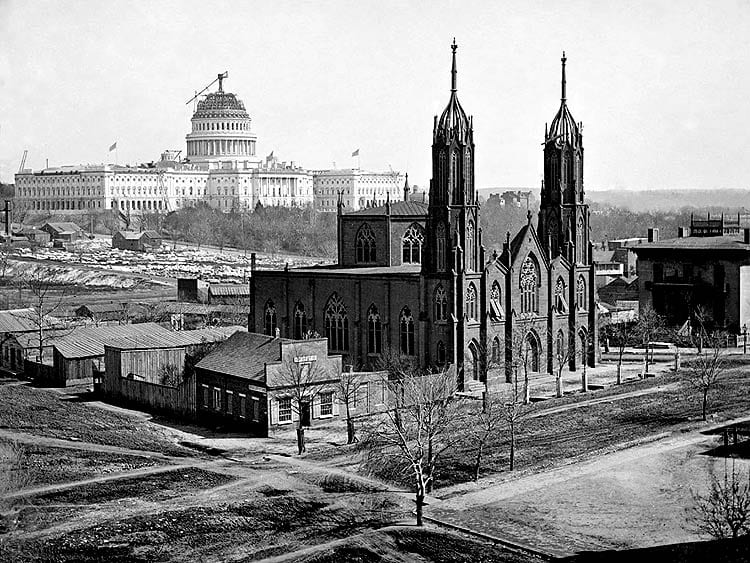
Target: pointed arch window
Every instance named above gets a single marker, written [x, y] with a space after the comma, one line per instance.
[454, 175]
[441, 353]
[441, 304]
[529, 282]
[300, 321]
[496, 304]
[467, 173]
[412, 244]
[561, 303]
[269, 319]
[580, 242]
[470, 255]
[442, 172]
[581, 293]
[553, 236]
[440, 244]
[406, 332]
[365, 245]
[337, 324]
[374, 331]
[471, 302]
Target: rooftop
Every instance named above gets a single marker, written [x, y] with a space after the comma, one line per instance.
[245, 355]
[335, 270]
[177, 338]
[725, 243]
[20, 320]
[398, 208]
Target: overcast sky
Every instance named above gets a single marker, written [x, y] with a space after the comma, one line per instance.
[663, 87]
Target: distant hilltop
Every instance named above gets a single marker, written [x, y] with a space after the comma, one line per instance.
[672, 199]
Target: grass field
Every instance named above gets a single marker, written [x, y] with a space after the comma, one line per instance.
[47, 413]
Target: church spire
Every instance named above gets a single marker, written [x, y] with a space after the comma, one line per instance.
[564, 58]
[453, 68]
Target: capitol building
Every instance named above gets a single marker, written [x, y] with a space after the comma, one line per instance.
[220, 168]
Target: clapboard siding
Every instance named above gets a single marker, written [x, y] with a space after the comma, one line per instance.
[134, 377]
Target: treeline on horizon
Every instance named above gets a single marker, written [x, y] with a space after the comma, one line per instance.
[311, 233]
[292, 230]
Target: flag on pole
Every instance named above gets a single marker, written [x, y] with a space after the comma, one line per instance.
[356, 153]
[113, 146]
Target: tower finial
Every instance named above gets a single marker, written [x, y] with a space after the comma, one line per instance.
[453, 69]
[564, 58]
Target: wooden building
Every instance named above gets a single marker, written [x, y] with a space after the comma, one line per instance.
[143, 241]
[246, 383]
[64, 231]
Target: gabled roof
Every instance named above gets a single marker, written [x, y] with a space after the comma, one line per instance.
[245, 355]
[517, 243]
[152, 234]
[88, 342]
[64, 227]
[130, 235]
[176, 339]
[398, 209]
[21, 320]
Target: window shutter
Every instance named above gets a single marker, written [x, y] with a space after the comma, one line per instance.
[335, 404]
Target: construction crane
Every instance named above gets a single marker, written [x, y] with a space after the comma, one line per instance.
[219, 79]
[23, 160]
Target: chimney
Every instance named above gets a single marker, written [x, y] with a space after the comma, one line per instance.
[653, 235]
[746, 237]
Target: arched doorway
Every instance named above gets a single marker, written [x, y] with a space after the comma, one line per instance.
[532, 352]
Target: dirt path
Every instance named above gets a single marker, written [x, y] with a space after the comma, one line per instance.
[607, 399]
[35, 440]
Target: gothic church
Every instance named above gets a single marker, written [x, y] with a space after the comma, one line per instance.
[415, 278]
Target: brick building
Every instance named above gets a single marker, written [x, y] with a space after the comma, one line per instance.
[416, 279]
[707, 271]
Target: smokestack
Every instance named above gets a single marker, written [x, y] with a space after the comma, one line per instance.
[653, 235]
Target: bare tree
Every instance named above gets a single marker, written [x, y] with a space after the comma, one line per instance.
[348, 388]
[523, 355]
[561, 360]
[111, 221]
[170, 374]
[648, 324]
[724, 512]
[706, 368]
[415, 431]
[44, 300]
[624, 333]
[6, 250]
[514, 403]
[484, 426]
[302, 381]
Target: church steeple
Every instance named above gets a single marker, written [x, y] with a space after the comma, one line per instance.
[453, 211]
[563, 216]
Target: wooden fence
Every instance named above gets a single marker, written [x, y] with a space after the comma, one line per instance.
[177, 401]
